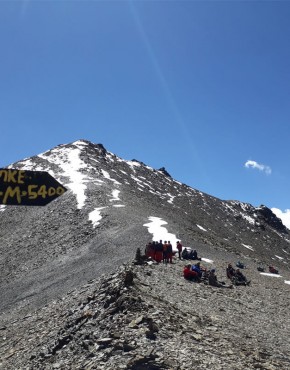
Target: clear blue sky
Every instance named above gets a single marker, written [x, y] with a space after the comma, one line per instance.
[200, 87]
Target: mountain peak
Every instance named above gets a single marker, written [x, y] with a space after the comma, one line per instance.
[163, 170]
[112, 207]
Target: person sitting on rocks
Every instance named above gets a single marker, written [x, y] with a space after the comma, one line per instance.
[273, 270]
[185, 254]
[231, 272]
[240, 278]
[189, 274]
[193, 255]
[240, 265]
[213, 281]
[199, 269]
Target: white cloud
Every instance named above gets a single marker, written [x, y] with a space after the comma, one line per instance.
[285, 216]
[258, 166]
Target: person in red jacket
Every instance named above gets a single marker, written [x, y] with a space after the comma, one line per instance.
[189, 274]
[169, 252]
[179, 248]
[165, 254]
[273, 270]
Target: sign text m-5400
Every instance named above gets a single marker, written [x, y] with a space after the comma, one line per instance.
[28, 188]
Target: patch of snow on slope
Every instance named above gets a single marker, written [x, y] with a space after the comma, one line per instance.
[171, 198]
[2, 208]
[95, 216]
[70, 163]
[159, 232]
[115, 195]
[119, 205]
[250, 219]
[206, 260]
[136, 179]
[110, 156]
[201, 228]
[269, 274]
[107, 176]
[80, 144]
[280, 258]
[133, 164]
[28, 165]
[248, 247]
[287, 282]
[177, 182]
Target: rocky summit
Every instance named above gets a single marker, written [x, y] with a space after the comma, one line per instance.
[74, 296]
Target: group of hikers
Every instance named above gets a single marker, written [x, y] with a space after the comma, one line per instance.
[163, 252]
[198, 273]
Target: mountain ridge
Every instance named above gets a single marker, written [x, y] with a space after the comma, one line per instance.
[97, 225]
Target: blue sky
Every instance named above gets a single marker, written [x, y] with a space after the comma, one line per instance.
[199, 87]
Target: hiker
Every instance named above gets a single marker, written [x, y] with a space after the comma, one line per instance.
[240, 278]
[199, 269]
[213, 281]
[273, 270]
[165, 255]
[231, 272]
[169, 252]
[154, 245]
[240, 265]
[185, 254]
[189, 274]
[149, 250]
[193, 255]
[159, 251]
[261, 267]
[179, 248]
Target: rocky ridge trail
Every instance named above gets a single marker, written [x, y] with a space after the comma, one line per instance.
[149, 317]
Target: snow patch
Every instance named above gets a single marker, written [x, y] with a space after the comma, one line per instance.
[70, 163]
[269, 274]
[115, 194]
[95, 216]
[171, 198]
[248, 218]
[248, 247]
[159, 232]
[206, 260]
[201, 228]
[107, 176]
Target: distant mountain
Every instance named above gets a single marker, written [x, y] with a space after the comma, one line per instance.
[98, 224]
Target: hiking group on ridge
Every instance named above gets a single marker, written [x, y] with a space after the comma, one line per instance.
[163, 252]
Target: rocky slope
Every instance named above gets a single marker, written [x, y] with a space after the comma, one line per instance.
[54, 311]
[150, 317]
